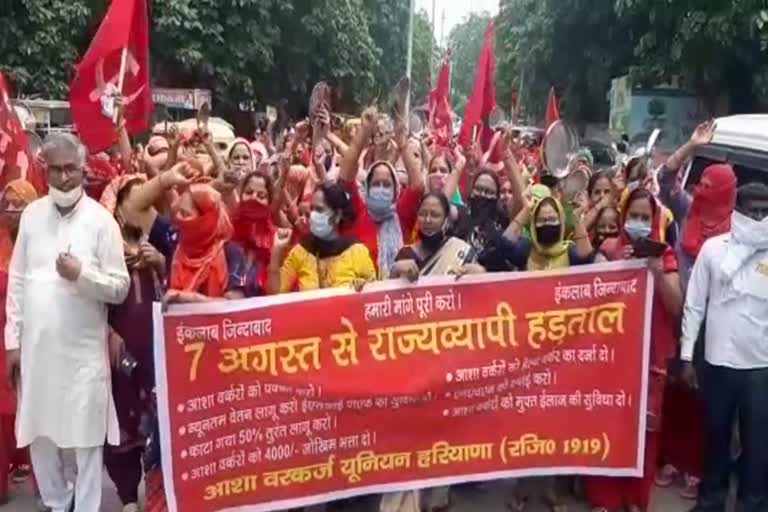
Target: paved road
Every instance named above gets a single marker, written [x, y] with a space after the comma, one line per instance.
[486, 498]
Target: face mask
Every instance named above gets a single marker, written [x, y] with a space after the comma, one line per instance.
[548, 235]
[252, 210]
[320, 225]
[380, 203]
[602, 237]
[637, 229]
[437, 182]
[432, 242]
[482, 207]
[65, 199]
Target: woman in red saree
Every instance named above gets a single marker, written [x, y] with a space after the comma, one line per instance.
[207, 266]
[640, 219]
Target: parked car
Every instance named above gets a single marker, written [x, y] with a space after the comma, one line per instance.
[741, 141]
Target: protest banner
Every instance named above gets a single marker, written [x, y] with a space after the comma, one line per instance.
[286, 401]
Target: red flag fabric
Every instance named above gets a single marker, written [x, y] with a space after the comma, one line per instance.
[124, 26]
[16, 159]
[553, 111]
[440, 119]
[483, 99]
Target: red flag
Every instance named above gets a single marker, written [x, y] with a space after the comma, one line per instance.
[16, 160]
[483, 99]
[553, 112]
[124, 27]
[440, 119]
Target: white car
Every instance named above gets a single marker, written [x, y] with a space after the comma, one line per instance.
[741, 141]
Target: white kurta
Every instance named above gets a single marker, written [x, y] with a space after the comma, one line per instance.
[61, 326]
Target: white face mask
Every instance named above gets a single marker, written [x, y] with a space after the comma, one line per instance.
[65, 199]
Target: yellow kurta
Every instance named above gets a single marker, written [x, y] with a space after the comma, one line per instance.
[351, 266]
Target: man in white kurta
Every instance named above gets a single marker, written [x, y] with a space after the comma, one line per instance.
[66, 267]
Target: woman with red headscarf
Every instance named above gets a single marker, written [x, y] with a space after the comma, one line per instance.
[254, 229]
[640, 218]
[207, 265]
[703, 214]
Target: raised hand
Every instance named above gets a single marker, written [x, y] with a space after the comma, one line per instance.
[703, 133]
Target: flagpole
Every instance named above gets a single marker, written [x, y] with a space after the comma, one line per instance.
[121, 78]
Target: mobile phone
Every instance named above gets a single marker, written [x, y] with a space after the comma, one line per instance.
[647, 248]
[127, 364]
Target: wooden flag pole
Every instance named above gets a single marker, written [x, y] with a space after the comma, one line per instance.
[121, 78]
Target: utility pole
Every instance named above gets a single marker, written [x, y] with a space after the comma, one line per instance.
[409, 58]
[442, 30]
[431, 45]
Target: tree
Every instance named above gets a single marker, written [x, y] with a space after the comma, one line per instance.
[710, 47]
[243, 50]
[388, 26]
[424, 46]
[465, 42]
[41, 42]
[577, 46]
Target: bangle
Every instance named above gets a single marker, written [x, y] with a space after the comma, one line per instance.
[582, 237]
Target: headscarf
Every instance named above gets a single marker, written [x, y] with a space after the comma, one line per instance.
[243, 142]
[254, 230]
[711, 208]
[200, 261]
[23, 189]
[98, 173]
[661, 221]
[539, 192]
[390, 232]
[27, 193]
[613, 248]
[158, 159]
[556, 255]
[258, 148]
[109, 196]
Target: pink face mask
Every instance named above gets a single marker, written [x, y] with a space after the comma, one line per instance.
[437, 182]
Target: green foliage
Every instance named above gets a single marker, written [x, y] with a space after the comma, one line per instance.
[577, 46]
[465, 42]
[40, 43]
[244, 50]
[712, 48]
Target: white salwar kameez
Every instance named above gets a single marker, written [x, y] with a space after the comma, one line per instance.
[65, 398]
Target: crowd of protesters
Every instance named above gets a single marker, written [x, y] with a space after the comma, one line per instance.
[322, 206]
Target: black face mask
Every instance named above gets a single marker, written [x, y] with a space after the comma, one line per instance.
[483, 207]
[432, 242]
[548, 235]
[602, 237]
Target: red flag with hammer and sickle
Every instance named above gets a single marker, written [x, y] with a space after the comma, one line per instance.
[124, 27]
[16, 159]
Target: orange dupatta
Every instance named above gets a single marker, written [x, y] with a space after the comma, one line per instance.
[26, 193]
[200, 262]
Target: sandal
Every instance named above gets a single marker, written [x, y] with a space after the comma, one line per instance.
[666, 476]
[691, 489]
